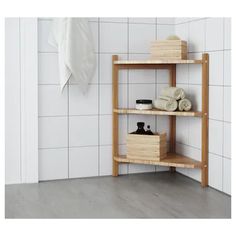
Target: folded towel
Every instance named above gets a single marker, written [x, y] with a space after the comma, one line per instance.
[173, 92]
[184, 104]
[167, 105]
[73, 39]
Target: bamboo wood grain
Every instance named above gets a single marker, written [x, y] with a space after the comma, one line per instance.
[171, 160]
[157, 112]
[205, 110]
[115, 165]
[172, 119]
[157, 62]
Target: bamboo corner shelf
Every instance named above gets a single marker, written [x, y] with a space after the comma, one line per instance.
[173, 159]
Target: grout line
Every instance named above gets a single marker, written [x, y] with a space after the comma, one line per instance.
[128, 83]
[156, 73]
[20, 100]
[68, 128]
[99, 91]
[222, 164]
[188, 21]
[213, 85]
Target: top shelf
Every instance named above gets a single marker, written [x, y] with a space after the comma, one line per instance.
[157, 62]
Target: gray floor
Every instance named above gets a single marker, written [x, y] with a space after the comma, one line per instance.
[152, 195]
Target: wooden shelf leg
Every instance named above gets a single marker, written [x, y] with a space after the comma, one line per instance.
[115, 150]
[172, 118]
[205, 108]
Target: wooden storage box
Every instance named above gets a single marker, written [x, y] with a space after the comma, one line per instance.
[169, 49]
[147, 147]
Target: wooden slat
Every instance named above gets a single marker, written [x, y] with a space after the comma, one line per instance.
[205, 110]
[172, 119]
[157, 112]
[155, 62]
[172, 160]
[115, 165]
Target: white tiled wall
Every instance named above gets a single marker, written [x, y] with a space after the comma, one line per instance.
[211, 35]
[75, 130]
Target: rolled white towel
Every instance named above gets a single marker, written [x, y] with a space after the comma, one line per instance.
[166, 105]
[184, 104]
[173, 92]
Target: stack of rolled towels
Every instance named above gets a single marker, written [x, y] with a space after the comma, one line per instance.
[171, 99]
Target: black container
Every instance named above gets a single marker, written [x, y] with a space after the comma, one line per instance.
[140, 129]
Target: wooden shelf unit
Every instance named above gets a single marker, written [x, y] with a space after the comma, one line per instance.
[172, 160]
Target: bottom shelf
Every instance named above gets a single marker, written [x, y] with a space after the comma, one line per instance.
[172, 160]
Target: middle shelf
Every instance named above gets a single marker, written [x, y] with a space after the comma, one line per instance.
[157, 112]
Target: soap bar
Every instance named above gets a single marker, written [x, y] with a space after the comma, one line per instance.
[143, 104]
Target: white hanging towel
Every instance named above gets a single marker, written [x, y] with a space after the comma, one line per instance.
[73, 39]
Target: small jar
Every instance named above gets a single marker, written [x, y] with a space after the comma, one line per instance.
[143, 104]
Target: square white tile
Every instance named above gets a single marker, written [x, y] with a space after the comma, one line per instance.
[216, 137]
[166, 20]
[122, 129]
[52, 102]
[181, 20]
[105, 164]
[163, 125]
[122, 90]
[182, 74]
[148, 20]
[195, 132]
[194, 93]
[106, 69]
[216, 102]
[140, 91]
[94, 31]
[105, 129]
[83, 162]
[164, 31]
[140, 37]
[83, 104]
[48, 70]
[227, 140]
[227, 176]
[182, 126]
[195, 74]
[83, 131]
[193, 153]
[163, 76]
[53, 164]
[197, 36]
[215, 171]
[227, 33]
[113, 38]
[227, 104]
[182, 30]
[141, 76]
[214, 34]
[53, 132]
[227, 68]
[216, 68]
[105, 99]
[44, 28]
[114, 19]
[195, 71]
